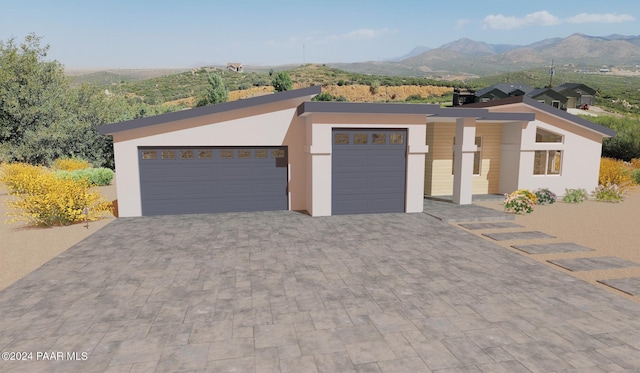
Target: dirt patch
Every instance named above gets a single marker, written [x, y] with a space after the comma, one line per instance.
[610, 229]
[24, 249]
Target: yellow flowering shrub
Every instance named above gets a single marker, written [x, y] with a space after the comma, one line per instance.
[635, 163]
[71, 164]
[42, 199]
[16, 176]
[614, 171]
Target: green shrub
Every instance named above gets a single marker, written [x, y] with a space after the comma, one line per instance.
[374, 87]
[324, 96]
[341, 99]
[520, 202]
[575, 195]
[635, 174]
[415, 97]
[545, 196]
[608, 193]
[95, 176]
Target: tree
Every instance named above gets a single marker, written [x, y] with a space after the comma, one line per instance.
[282, 82]
[33, 95]
[215, 93]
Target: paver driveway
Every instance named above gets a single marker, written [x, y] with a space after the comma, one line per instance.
[281, 291]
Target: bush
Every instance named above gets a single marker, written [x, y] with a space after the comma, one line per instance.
[575, 195]
[374, 87]
[521, 201]
[71, 164]
[95, 176]
[635, 163]
[635, 175]
[46, 200]
[545, 196]
[613, 171]
[16, 176]
[324, 96]
[608, 193]
[341, 99]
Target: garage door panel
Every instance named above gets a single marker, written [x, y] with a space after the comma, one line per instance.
[368, 171]
[214, 180]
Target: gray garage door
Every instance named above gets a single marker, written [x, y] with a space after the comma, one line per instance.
[368, 171]
[207, 179]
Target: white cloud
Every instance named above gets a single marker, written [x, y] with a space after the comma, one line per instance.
[502, 22]
[544, 18]
[600, 18]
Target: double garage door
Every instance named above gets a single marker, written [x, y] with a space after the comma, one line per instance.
[368, 176]
[211, 179]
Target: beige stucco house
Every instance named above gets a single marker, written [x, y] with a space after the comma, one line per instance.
[286, 152]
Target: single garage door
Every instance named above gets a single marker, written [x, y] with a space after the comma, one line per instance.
[212, 179]
[368, 171]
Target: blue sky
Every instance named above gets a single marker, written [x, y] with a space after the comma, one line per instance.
[188, 33]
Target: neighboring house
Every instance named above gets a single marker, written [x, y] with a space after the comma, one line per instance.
[550, 97]
[567, 95]
[578, 94]
[286, 152]
[235, 66]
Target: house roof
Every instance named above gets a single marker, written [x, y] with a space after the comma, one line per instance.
[506, 88]
[607, 132]
[549, 92]
[207, 110]
[574, 87]
[429, 110]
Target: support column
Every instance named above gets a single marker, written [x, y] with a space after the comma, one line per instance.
[463, 154]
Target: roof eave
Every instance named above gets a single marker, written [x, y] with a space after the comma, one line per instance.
[110, 129]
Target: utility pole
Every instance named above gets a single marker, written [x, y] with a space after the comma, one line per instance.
[552, 72]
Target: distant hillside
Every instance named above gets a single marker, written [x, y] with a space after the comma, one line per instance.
[466, 56]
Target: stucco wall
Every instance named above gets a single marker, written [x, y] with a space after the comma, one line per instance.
[319, 154]
[580, 159]
[265, 128]
[439, 163]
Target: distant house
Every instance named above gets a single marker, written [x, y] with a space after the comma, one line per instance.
[578, 94]
[500, 91]
[567, 95]
[235, 66]
[550, 97]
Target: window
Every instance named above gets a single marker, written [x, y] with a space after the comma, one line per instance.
[555, 104]
[547, 136]
[205, 154]
[277, 153]
[186, 154]
[341, 139]
[226, 154]
[378, 138]
[477, 157]
[261, 154]
[360, 138]
[396, 139]
[547, 162]
[168, 154]
[149, 154]
[244, 154]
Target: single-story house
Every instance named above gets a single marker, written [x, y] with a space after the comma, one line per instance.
[550, 97]
[578, 94]
[286, 152]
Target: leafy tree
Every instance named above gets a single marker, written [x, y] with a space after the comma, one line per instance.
[215, 93]
[282, 82]
[33, 95]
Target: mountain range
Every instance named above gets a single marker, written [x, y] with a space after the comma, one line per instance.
[466, 56]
